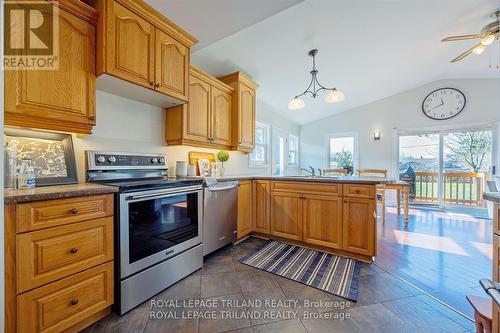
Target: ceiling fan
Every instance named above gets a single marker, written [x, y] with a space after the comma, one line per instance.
[488, 35]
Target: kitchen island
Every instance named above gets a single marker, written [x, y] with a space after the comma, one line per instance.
[332, 214]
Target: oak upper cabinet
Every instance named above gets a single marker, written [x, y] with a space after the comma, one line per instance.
[243, 112]
[206, 120]
[262, 206]
[131, 46]
[286, 215]
[322, 220]
[62, 99]
[138, 45]
[244, 226]
[359, 226]
[221, 117]
[171, 66]
[197, 113]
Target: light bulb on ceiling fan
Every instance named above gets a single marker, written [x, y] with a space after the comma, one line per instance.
[488, 40]
[479, 49]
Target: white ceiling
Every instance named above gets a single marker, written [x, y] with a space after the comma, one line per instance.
[211, 20]
[369, 49]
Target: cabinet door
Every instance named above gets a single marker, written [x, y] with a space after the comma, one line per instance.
[171, 66]
[358, 235]
[197, 118]
[52, 99]
[262, 209]
[221, 117]
[131, 41]
[322, 220]
[244, 208]
[286, 215]
[246, 124]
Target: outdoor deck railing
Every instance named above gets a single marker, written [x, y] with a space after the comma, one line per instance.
[461, 188]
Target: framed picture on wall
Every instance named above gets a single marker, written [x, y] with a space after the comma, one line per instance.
[52, 155]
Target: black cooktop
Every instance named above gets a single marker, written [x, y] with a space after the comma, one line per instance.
[128, 185]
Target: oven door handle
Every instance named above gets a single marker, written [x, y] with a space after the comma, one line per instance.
[492, 288]
[185, 190]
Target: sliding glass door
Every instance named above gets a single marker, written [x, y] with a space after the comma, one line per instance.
[446, 167]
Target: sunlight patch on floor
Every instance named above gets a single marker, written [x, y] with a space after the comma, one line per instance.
[429, 242]
[485, 248]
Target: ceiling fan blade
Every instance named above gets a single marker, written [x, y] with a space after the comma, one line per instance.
[465, 54]
[462, 37]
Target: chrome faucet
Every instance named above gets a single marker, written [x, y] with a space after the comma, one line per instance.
[311, 170]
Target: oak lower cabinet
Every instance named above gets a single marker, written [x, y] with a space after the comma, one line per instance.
[138, 45]
[58, 263]
[243, 111]
[206, 120]
[359, 223]
[322, 220]
[61, 99]
[244, 225]
[286, 215]
[262, 206]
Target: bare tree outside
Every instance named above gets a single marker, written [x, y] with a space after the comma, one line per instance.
[470, 149]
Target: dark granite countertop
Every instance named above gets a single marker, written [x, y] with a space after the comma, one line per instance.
[323, 179]
[492, 196]
[55, 192]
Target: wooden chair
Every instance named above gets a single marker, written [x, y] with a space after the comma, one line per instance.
[380, 188]
[335, 172]
[482, 313]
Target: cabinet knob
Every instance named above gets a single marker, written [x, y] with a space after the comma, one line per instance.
[74, 250]
[74, 211]
[74, 301]
[151, 83]
[157, 85]
[92, 117]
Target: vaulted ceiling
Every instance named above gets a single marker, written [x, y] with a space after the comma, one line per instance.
[369, 49]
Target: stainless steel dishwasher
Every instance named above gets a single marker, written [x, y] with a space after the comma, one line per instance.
[220, 215]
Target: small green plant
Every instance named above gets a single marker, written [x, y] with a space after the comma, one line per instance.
[223, 156]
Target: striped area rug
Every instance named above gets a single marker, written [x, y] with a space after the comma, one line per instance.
[333, 274]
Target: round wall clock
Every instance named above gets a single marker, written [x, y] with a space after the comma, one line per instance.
[443, 103]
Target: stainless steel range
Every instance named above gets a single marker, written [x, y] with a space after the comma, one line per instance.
[158, 224]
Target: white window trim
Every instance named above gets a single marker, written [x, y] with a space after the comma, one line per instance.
[353, 134]
[266, 164]
[297, 160]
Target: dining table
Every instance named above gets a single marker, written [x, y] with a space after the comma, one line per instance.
[403, 193]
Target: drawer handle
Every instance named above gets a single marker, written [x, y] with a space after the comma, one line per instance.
[357, 191]
[74, 301]
[74, 211]
[74, 250]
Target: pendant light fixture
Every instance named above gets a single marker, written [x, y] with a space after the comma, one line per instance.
[333, 96]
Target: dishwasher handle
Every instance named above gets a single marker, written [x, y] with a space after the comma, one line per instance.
[221, 188]
[492, 288]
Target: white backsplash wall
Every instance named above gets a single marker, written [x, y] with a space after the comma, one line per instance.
[125, 125]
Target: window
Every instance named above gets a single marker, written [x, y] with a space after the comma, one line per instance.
[259, 156]
[343, 151]
[293, 151]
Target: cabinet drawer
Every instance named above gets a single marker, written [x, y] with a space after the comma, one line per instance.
[359, 191]
[62, 304]
[47, 255]
[306, 187]
[51, 213]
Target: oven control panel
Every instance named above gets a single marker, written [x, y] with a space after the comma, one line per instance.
[105, 160]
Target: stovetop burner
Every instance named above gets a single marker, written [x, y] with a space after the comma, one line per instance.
[127, 185]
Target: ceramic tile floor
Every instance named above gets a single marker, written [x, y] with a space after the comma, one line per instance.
[386, 304]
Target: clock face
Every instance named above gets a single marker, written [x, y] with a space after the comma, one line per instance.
[444, 103]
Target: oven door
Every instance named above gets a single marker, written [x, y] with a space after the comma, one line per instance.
[156, 225]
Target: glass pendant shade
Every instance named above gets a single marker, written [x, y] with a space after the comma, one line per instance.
[334, 96]
[296, 104]
[488, 40]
